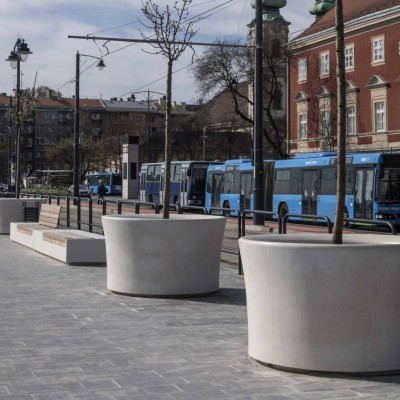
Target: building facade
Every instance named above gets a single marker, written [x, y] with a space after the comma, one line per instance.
[372, 56]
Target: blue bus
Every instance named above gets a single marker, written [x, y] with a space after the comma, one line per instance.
[111, 180]
[306, 184]
[188, 181]
[230, 185]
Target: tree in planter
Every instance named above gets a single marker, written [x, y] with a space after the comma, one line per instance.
[24, 116]
[337, 237]
[173, 34]
[227, 69]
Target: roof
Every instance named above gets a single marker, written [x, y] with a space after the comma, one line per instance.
[123, 105]
[352, 9]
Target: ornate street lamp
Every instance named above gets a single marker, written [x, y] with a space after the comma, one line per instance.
[76, 176]
[20, 53]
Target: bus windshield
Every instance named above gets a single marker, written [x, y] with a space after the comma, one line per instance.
[388, 186]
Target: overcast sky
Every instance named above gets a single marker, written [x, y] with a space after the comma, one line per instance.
[46, 24]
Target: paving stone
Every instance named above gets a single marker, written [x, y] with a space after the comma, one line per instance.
[64, 336]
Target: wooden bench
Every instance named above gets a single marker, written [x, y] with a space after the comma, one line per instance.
[22, 233]
[71, 246]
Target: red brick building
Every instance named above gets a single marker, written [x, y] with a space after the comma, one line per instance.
[372, 59]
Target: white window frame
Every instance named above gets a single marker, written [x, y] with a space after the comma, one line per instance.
[378, 49]
[302, 70]
[136, 118]
[324, 122]
[379, 115]
[349, 56]
[324, 63]
[351, 119]
[303, 129]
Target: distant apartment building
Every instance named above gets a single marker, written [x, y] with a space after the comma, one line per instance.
[372, 56]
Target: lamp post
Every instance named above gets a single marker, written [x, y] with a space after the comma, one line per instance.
[20, 53]
[258, 191]
[204, 142]
[100, 66]
[148, 91]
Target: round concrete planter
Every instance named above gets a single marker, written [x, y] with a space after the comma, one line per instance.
[317, 306]
[11, 210]
[151, 256]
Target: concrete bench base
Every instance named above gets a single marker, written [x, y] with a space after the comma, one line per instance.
[71, 246]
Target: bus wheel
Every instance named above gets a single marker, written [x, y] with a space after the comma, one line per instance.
[226, 213]
[283, 210]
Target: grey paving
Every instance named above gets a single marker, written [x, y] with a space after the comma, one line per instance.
[63, 336]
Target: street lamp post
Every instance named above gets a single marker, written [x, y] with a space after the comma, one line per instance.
[258, 191]
[76, 175]
[204, 142]
[20, 53]
[147, 117]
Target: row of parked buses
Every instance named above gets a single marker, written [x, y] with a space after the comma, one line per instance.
[305, 184]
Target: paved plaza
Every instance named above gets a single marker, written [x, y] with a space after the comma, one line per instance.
[64, 336]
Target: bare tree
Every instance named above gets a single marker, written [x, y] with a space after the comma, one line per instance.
[223, 68]
[173, 32]
[341, 129]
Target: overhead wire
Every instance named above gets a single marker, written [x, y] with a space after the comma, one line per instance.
[210, 12]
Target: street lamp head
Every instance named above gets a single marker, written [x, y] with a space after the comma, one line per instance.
[23, 50]
[101, 65]
[13, 59]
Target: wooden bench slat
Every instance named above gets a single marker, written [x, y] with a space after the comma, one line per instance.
[48, 218]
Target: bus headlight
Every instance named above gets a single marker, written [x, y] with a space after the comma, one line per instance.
[384, 216]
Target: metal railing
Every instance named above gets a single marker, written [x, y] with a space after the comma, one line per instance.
[225, 211]
[306, 216]
[373, 222]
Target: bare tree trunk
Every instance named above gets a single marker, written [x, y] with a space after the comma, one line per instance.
[167, 177]
[337, 237]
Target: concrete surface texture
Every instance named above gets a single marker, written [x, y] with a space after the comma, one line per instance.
[148, 255]
[64, 336]
[323, 307]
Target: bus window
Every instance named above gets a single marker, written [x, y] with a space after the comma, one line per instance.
[328, 181]
[282, 181]
[157, 173]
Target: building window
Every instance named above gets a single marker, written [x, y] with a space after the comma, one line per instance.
[38, 155]
[302, 70]
[349, 56]
[378, 49]
[303, 126]
[29, 142]
[136, 118]
[324, 63]
[324, 119]
[379, 114]
[351, 120]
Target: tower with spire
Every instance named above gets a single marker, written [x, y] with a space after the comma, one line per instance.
[275, 30]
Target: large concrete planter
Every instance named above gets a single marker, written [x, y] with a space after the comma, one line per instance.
[11, 210]
[151, 256]
[317, 306]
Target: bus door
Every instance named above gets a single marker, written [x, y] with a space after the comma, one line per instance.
[310, 192]
[184, 187]
[143, 179]
[363, 193]
[245, 190]
[216, 188]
